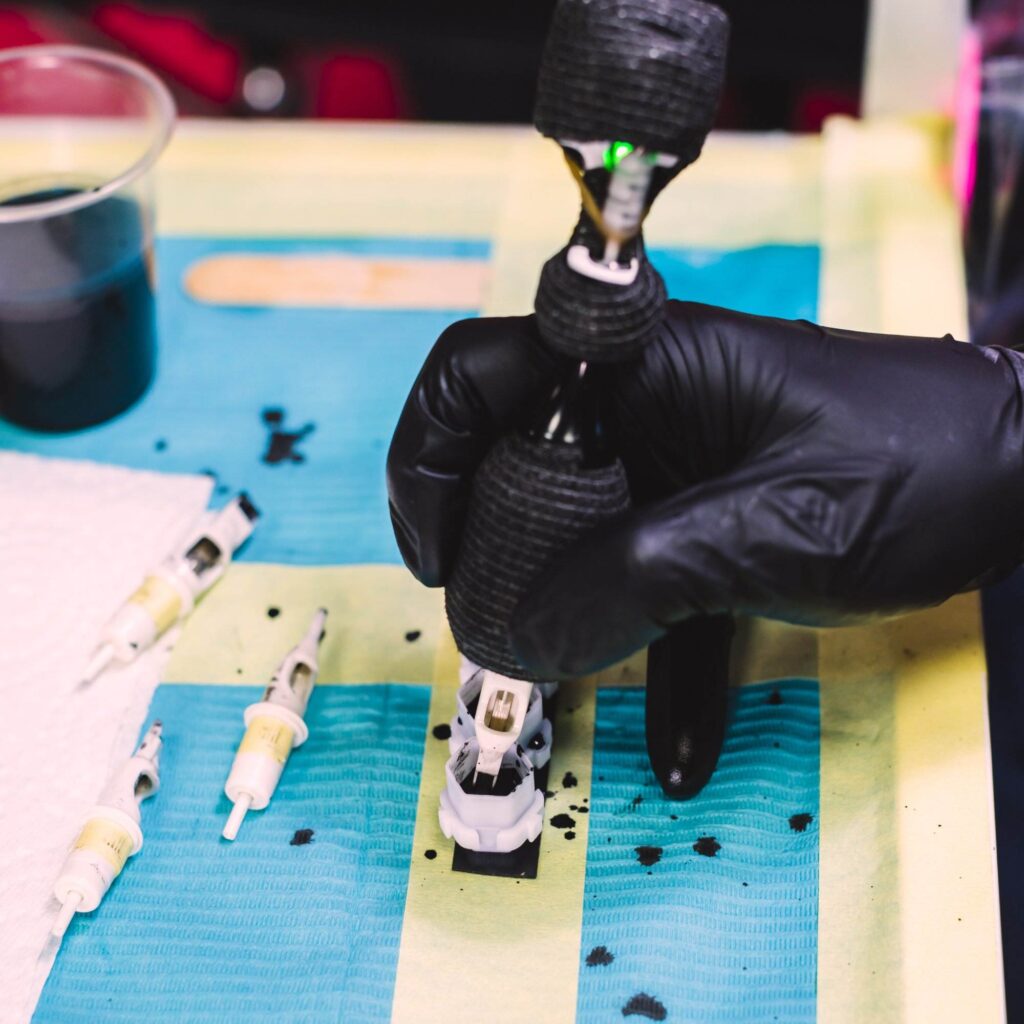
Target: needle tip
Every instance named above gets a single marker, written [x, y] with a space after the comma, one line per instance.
[103, 656]
[235, 818]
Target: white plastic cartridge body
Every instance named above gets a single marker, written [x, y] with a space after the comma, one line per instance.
[479, 819]
[535, 734]
[274, 726]
[111, 834]
[170, 592]
[491, 802]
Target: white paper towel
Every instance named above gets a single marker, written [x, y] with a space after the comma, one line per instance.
[75, 540]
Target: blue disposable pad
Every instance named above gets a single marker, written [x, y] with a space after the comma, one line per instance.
[726, 936]
[769, 280]
[346, 373]
[203, 931]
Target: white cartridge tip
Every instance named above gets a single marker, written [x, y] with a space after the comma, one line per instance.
[316, 627]
[98, 662]
[67, 911]
[238, 813]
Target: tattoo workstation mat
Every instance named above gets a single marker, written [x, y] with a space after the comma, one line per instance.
[838, 867]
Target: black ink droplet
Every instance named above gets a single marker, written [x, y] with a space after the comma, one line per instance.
[775, 697]
[599, 956]
[648, 855]
[302, 837]
[272, 613]
[413, 635]
[707, 846]
[569, 780]
[442, 731]
[430, 854]
[570, 835]
[799, 822]
[643, 1005]
[563, 821]
[281, 444]
[637, 800]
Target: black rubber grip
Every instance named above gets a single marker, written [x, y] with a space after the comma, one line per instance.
[530, 500]
[646, 71]
[601, 323]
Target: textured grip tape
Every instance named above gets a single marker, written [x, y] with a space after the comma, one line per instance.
[530, 500]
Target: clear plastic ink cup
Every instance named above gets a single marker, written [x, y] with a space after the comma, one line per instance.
[80, 132]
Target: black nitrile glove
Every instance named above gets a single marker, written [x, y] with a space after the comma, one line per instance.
[778, 469]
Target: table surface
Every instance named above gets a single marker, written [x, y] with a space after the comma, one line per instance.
[853, 228]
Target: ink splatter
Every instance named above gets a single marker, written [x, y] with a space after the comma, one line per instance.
[775, 697]
[570, 835]
[563, 821]
[569, 780]
[219, 487]
[430, 854]
[648, 855]
[548, 794]
[674, 817]
[413, 635]
[599, 956]
[637, 801]
[281, 444]
[160, 446]
[442, 731]
[302, 837]
[643, 1005]
[707, 846]
[799, 822]
[586, 810]
[272, 613]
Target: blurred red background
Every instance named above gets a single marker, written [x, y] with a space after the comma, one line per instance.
[791, 64]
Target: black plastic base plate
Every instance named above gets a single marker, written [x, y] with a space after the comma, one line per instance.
[521, 863]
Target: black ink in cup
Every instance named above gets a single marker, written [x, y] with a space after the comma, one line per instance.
[77, 312]
[80, 133]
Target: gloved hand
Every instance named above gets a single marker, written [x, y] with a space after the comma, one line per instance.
[778, 468]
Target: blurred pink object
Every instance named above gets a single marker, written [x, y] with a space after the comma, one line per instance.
[967, 104]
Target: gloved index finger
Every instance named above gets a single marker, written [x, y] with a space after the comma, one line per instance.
[477, 383]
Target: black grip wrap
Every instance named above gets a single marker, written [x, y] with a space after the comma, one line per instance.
[530, 499]
[649, 71]
[601, 323]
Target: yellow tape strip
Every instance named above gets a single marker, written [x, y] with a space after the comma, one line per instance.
[496, 949]
[904, 904]
[948, 886]
[382, 626]
[415, 180]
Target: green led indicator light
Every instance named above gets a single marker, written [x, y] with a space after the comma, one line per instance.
[616, 153]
